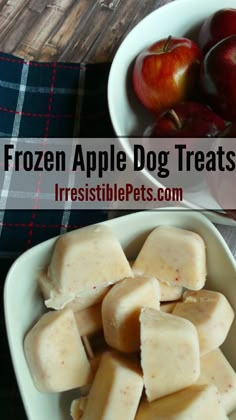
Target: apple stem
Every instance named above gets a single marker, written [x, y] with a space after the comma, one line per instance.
[175, 117]
[167, 43]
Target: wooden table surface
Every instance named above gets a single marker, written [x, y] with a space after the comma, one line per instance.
[69, 30]
[75, 30]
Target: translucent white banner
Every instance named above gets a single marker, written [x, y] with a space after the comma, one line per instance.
[138, 173]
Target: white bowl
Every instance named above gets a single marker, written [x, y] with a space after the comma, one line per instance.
[128, 116]
[178, 18]
[23, 304]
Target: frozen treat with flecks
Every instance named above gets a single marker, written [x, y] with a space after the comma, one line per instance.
[169, 353]
[211, 314]
[195, 403]
[215, 369]
[84, 263]
[55, 353]
[121, 310]
[116, 390]
[174, 256]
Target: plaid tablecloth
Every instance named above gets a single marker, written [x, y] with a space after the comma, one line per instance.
[48, 100]
[43, 100]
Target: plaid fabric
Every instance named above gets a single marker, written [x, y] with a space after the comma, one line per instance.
[48, 100]
[53, 99]
[44, 100]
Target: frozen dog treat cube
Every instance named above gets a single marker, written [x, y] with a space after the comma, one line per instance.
[215, 369]
[195, 403]
[169, 293]
[174, 256]
[55, 353]
[116, 390]
[89, 320]
[169, 353]
[58, 300]
[212, 315]
[86, 261]
[121, 309]
[167, 307]
[77, 408]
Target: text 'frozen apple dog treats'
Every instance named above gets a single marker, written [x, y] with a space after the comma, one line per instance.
[84, 264]
[174, 256]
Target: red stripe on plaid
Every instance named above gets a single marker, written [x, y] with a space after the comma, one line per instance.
[29, 114]
[76, 116]
[48, 65]
[39, 182]
[33, 114]
[54, 70]
[34, 64]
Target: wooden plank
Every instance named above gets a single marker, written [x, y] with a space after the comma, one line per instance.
[110, 4]
[69, 30]
[38, 5]
[9, 15]
[85, 35]
[110, 38]
[2, 3]
[13, 37]
[145, 8]
[61, 37]
[32, 43]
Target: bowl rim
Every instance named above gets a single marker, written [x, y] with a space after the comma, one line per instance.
[49, 245]
[171, 4]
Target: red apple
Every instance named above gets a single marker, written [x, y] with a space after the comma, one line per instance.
[187, 120]
[218, 76]
[166, 73]
[216, 27]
